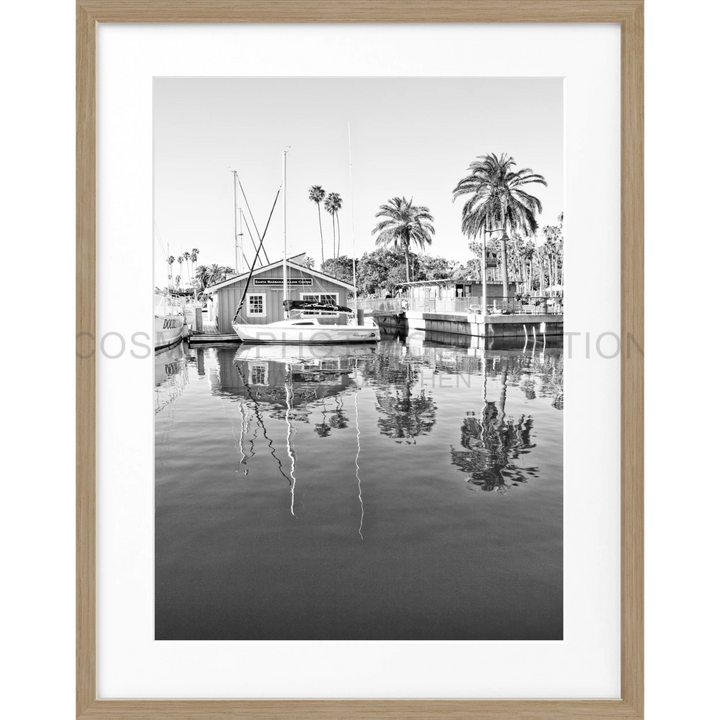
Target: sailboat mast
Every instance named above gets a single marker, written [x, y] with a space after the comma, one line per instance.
[242, 249]
[284, 256]
[352, 221]
[235, 212]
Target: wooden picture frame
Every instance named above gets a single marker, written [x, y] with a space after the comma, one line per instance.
[629, 14]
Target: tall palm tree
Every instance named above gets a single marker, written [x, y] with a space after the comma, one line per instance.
[405, 224]
[337, 202]
[317, 195]
[201, 275]
[498, 202]
[181, 260]
[186, 255]
[528, 253]
[194, 256]
[333, 204]
[554, 243]
[171, 260]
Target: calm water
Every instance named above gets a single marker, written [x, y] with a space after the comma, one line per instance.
[408, 491]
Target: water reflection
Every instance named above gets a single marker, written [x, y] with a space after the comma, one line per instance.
[318, 386]
[493, 446]
[357, 465]
[293, 382]
[321, 492]
[171, 375]
[405, 409]
[303, 377]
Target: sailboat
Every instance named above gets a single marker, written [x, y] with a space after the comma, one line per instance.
[307, 330]
[302, 325]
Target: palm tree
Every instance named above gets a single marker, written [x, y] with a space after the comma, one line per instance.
[181, 260]
[404, 224]
[498, 202]
[171, 260]
[200, 274]
[207, 275]
[337, 203]
[333, 203]
[186, 255]
[554, 244]
[193, 256]
[317, 195]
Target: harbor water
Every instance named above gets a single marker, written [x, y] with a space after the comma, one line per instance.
[408, 490]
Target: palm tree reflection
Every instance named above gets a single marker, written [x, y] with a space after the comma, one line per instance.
[323, 428]
[339, 418]
[494, 445]
[404, 416]
[405, 410]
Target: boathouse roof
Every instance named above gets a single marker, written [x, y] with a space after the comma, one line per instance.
[259, 271]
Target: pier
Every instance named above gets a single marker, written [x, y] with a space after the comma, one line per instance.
[476, 325]
[457, 308]
[213, 338]
[505, 318]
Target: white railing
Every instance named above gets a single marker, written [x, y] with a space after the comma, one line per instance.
[495, 306]
[375, 305]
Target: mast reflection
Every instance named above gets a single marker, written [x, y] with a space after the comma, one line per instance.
[290, 383]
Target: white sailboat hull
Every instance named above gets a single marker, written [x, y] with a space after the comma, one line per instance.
[168, 330]
[307, 333]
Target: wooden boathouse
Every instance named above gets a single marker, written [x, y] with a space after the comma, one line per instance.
[263, 301]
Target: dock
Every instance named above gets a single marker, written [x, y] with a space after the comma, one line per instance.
[215, 338]
[518, 325]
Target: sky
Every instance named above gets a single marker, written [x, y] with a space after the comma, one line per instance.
[412, 137]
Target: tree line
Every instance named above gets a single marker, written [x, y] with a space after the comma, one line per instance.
[499, 218]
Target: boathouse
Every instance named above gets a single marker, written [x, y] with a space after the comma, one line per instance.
[263, 301]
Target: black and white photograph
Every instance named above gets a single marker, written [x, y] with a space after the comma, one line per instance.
[358, 383]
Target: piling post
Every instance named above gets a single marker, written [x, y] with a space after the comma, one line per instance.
[360, 316]
[198, 319]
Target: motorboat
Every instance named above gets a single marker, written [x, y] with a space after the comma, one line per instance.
[170, 325]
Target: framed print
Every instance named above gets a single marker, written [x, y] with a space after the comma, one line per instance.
[378, 449]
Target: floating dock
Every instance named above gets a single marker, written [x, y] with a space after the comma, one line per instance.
[213, 338]
[475, 325]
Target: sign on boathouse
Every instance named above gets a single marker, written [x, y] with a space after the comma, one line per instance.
[279, 281]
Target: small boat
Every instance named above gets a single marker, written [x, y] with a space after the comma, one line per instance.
[170, 326]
